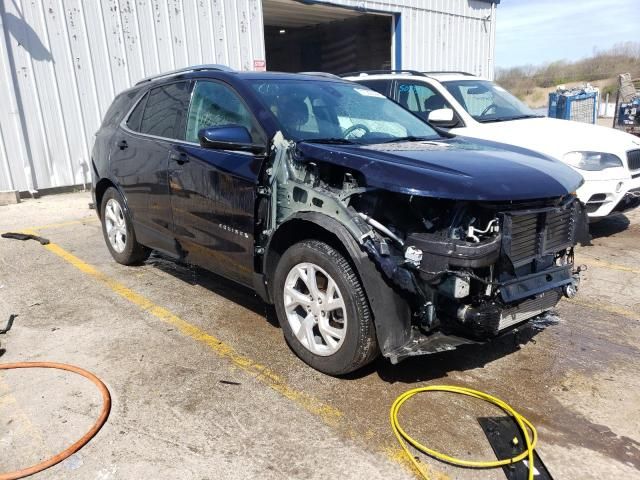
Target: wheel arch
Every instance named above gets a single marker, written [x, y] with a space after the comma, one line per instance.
[391, 313]
[101, 187]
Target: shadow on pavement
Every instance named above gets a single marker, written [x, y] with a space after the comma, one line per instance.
[609, 226]
[466, 357]
[228, 289]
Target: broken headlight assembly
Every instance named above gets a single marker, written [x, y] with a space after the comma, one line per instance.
[592, 161]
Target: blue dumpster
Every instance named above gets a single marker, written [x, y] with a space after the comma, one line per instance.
[580, 105]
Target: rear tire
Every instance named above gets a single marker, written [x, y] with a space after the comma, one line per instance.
[118, 232]
[323, 309]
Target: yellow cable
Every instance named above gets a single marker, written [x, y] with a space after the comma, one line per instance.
[528, 431]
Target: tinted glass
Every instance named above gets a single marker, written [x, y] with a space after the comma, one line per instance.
[213, 105]
[380, 86]
[120, 105]
[419, 98]
[165, 110]
[308, 110]
[487, 102]
[133, 122]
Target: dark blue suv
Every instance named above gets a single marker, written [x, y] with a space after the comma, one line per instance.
[368, 229]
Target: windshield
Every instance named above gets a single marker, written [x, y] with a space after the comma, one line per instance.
[487, 102]
[338, 112]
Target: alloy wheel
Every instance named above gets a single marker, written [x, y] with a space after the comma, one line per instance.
[116, 225]
[315, 309]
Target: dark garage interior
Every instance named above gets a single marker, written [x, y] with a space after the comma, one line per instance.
[302, 38]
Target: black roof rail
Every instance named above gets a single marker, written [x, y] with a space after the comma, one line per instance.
[377, 72]
[320, 74]
[467, 74]
[194, 68]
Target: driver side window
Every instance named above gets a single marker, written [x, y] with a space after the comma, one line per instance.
[214, 105]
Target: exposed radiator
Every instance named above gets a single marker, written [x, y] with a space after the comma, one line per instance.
[536, 234]
[528, 309]
[525, 240]
[559, 230]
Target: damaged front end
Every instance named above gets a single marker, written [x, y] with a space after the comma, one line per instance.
[465, 270]
[478, 268]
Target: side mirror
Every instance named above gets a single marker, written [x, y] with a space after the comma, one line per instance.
[442, 117]
[228, 137]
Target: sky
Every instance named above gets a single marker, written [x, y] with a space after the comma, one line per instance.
[533, 32]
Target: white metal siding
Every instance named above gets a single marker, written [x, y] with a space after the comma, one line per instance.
[63, 61]
[440, 34]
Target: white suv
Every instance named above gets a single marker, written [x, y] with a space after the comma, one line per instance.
[608, 159]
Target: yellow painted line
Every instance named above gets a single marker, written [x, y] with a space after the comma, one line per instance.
[605, 307]
[612, 266]
[398, 455]
[263, 374]
[329, 415]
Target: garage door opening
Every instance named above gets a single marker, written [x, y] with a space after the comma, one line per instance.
[302, 38]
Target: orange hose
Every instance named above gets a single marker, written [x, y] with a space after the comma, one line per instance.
[106, 407]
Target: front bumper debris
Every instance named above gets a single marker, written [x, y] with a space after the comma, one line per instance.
[420, 344]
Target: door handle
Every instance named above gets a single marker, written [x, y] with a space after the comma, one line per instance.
[122, 145]
[179, 158]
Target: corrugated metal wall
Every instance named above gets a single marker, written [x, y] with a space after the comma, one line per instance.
[63, 61]
[440, 34]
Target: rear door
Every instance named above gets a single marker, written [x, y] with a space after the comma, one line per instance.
[140, 160]
[213, 191]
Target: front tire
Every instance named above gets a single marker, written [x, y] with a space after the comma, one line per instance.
[117, 229]
[323, 309]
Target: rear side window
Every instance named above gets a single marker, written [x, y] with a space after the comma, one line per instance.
[380, 86]
[420, 98]
[134, 120]
[165, 109]
[120, 105]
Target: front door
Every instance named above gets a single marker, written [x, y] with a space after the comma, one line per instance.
[213, 191]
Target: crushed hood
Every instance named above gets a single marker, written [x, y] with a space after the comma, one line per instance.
[453, 168]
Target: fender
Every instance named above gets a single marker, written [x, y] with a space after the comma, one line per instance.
[112, 183]
[391, 313]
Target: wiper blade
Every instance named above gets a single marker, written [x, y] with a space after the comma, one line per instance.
[409, 138]
[331, 141]
[494, 120]
[518, 117]
[506, 119]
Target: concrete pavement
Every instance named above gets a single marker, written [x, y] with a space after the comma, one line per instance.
[204, 386]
